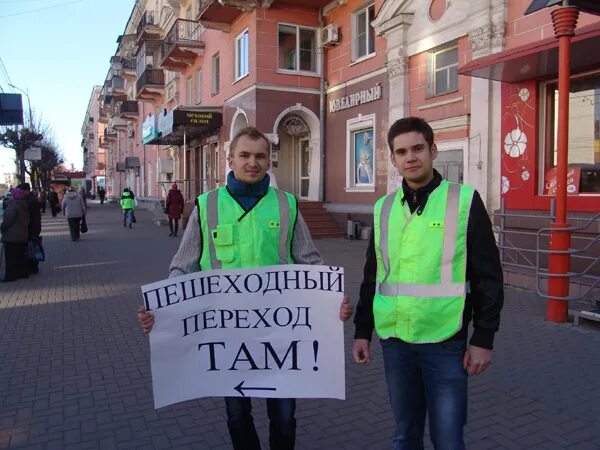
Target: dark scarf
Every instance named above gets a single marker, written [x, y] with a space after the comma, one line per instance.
[247, 195]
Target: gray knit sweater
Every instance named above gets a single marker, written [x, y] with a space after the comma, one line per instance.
[186, 260]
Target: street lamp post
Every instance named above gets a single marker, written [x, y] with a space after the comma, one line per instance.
[20, 155]
[564, 21]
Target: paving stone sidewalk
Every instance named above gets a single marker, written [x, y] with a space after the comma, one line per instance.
[75, 373]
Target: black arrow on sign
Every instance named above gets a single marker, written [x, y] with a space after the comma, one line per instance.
[241, 389]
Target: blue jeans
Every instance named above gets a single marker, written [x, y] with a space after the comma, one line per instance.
[282, 423]
[127, 217]
[426, 378]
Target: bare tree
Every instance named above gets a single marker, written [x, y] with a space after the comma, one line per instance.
[36, 133]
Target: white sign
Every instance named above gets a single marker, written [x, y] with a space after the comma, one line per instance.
[33, 154]
[264, 332]
[356, 99]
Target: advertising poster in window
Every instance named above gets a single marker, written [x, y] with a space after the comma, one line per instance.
[573, 176]
[363, 158]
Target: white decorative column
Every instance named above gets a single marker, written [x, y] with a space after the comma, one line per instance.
[484, 136]
[395, 30]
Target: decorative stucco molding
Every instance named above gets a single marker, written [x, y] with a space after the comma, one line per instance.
[397, 67]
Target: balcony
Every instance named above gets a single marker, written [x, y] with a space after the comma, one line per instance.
[129, 109]
[103, 143]
[182, 45]
[111, 135]
[148, 28]
[151, 84]
[220, 14]
[123, 67]
[115, 88]
[128, 68]
[116, 123]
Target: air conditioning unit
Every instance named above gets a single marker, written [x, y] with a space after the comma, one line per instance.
[329, 35]
[165, 165]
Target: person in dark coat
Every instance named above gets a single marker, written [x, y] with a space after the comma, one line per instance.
[174, 208]
[35, 222]
[74, 210]
[53, 201]
[15, 231]
[42, 200]
[101, 194]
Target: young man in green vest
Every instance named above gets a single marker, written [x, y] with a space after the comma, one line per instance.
[226, 230]
[432, 265]
[128, 205]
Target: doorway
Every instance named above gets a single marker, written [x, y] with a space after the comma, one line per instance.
[303, 165]
[449, 163]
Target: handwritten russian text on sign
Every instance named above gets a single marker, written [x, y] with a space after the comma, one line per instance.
[263, 332]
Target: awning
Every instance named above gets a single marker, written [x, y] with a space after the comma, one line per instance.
[191, 122]
[538, 60]
[132, 162]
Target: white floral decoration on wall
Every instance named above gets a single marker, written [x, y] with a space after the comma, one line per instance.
[524, 94]
[505, 185]
[515, 143]
[525, 175]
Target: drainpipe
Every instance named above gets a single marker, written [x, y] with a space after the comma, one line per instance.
[322, 114]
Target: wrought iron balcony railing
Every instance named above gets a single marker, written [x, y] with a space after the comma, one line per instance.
[151, 77]
[129, 107]
[182, 31]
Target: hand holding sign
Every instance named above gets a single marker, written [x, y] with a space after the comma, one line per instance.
[265, 332]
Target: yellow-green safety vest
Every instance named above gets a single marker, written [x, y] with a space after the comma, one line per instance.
[233, 238]
[421, 265]
[126, 201]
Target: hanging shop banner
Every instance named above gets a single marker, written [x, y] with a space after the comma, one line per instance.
[149, 131]
[263, 332]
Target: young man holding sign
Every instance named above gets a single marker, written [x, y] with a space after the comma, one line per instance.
[233, 227]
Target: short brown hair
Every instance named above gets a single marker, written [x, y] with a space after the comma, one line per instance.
[253, 133]
[408, 124]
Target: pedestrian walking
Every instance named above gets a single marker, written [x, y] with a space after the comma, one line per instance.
[42, 199]
[74, 210]
[53, 202]
[83, 195]
[15, 232]
[245, 206]
[101, 194]
[174, 208]
[35, 223]
[432, 266]
[128, 205]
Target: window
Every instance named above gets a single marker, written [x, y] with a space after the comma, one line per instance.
[584, 136]
[188, 91]
[215, 74]
[363, 42]
[360, 154]
[198, 96]
[442, 71]
[241, 55]
[297, 48]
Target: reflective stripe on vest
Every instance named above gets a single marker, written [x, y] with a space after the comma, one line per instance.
[446, 287]
[212, 215]
[284, 225]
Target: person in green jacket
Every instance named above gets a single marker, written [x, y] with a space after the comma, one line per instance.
[128, 205]
[432, 266]
[251, 222]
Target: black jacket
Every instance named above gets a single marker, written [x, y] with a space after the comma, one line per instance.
[35, 216]
[484, 272]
